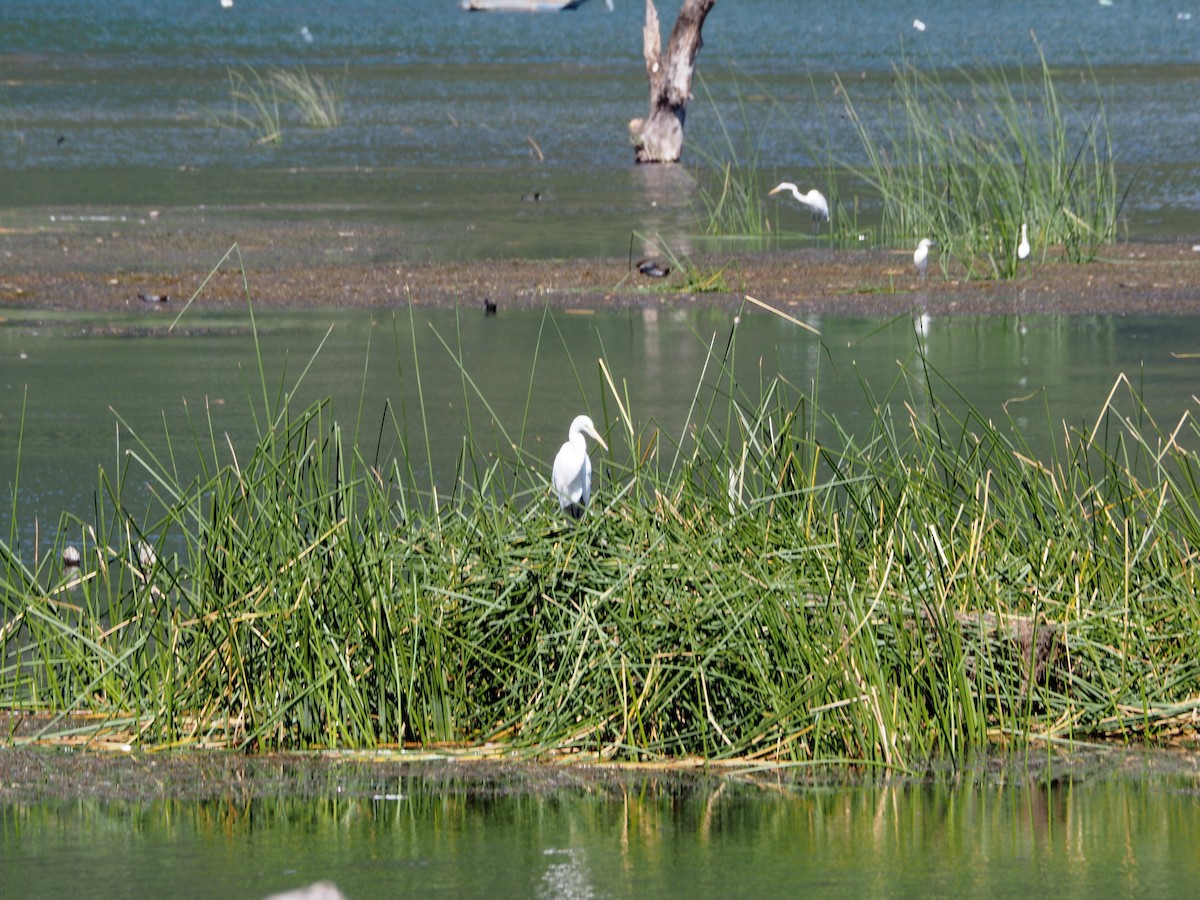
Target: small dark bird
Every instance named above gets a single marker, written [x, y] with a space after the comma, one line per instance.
[489, 306]
[153, 298]
[652, 268]
[62, 139]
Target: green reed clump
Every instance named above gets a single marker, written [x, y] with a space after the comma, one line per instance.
[255, 102]
[969, 170]
[766, 586]
[258, 101]
[318, 100]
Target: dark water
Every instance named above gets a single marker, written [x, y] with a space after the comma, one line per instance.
[1104, 838]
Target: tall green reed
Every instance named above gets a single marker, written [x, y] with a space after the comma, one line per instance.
[969, 169]
[731, 192]
[763, 585]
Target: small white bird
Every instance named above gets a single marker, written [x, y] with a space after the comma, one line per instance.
[814, 199]
[1023, 247]
[921, 257]
[572, 475]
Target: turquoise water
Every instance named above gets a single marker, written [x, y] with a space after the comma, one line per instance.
[1109, 837]
[112, 106]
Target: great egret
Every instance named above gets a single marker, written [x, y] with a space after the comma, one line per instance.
[1023, 247]
[814, 200]
[921, 257]
[572, 476]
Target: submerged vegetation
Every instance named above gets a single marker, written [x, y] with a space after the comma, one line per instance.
[960, 159]
[767, 586]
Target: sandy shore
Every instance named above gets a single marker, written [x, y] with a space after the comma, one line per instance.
[319, 265]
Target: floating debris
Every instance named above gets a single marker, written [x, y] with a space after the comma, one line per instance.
[519, 5]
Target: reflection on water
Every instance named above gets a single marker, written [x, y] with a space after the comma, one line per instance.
[74, 395]
[1088, 837]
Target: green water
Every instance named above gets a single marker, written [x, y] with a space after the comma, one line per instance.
[78, 394]
[1070, 837]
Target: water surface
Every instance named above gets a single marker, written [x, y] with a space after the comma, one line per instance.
[452, 118]
[1060, 837]
[76, 390]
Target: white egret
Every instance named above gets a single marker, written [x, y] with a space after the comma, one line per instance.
[921, 257]
[814, 200]
[572, 477]
[1023, 247]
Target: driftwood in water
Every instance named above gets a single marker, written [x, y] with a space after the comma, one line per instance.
[659, 137]
[519, 5]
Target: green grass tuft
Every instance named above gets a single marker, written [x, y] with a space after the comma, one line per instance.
[259, 101]
[968, 172]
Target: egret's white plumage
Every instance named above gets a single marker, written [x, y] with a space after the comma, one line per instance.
[572, 475]
[921, 257]
[1023, 247]
[814, 199]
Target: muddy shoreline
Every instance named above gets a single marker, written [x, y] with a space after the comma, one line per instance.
[38, 774]
[320, 266]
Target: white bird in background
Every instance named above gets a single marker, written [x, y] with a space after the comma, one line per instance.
[572, 477]
[921, 257]
[1023, 247]
[814, 200]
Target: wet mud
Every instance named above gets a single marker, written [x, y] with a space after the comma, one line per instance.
[315, 266]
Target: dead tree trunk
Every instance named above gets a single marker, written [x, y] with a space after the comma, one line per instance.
[659, 138]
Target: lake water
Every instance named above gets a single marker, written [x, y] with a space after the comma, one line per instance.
[109, 107]
[1103, 837]
[70, 382]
